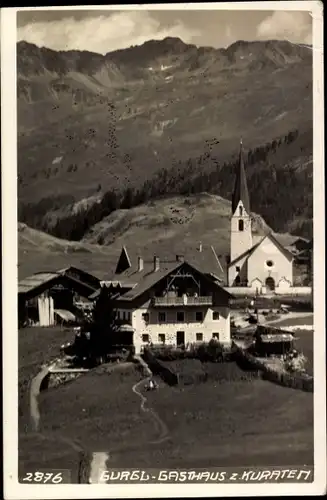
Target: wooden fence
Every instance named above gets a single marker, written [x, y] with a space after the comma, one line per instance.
[300, 381]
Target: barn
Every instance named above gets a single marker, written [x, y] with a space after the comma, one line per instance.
[47, 298]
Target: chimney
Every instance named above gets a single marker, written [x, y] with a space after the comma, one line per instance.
[140, 264]
[180, 258]
[156, 264]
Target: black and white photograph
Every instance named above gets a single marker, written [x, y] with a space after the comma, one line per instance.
[163, 250]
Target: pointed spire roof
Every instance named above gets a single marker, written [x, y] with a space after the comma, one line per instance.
[124, 262]
[241, 192]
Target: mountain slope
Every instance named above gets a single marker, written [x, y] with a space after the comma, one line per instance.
[166, 227]
[88, 122]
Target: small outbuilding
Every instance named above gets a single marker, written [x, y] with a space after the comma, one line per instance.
[271, 341]
[47, 298]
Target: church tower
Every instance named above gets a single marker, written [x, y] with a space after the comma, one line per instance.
[241, 230]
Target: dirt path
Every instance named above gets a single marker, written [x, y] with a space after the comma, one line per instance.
[34, 394]
[99, 459]
[160, 425]
[98, 465]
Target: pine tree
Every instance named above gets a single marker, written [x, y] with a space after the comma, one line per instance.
[104, 323]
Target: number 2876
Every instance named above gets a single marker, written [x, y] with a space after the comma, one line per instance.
[43, 477]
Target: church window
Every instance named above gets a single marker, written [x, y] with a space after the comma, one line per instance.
[269, 263]
[241, 210]
[241, 225]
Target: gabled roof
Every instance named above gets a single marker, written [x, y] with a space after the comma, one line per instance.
[75, 277]
[204, 260]
[147, 278]
[123, 261]
[250, 251]
[284, 250]
[241, 192]
[36, 280]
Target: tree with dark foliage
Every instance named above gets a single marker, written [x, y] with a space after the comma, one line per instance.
[104, 325]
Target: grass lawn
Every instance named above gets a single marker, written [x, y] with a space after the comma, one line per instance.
[225, 422]
[209, 424]
[236, 423]
[37, 346]
[99, 409]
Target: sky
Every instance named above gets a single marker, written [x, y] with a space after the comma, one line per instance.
[103, 31]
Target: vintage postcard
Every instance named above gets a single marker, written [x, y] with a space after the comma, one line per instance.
[163, 250]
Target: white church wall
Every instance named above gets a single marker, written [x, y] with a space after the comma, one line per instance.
[259, 264]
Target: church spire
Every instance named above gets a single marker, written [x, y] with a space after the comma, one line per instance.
[241, 192]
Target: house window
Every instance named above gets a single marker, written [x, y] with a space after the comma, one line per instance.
[162, 317]
[180, 316]
[124, 315]
[118, 314]
[199, 316]
[215, 315]
[162, 338]
[241, 210]
[241, 225]
[215, 335]
[145, 337]
[269, 263]
[199, 337]
[128, 316]
[238, 269]
[145, 317]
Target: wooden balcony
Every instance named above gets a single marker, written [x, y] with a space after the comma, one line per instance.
[182, 301]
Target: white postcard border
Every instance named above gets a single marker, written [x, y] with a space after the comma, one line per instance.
[14, 490]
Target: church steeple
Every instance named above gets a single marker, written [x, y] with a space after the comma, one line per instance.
[241, 192]
[241, 230]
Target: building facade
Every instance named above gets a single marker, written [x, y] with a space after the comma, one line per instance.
[171, 303]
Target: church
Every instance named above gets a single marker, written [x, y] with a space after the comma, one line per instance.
[257, 262]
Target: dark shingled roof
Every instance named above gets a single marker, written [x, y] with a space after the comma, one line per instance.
[145, 279]
[204, 260]
[241, 192]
